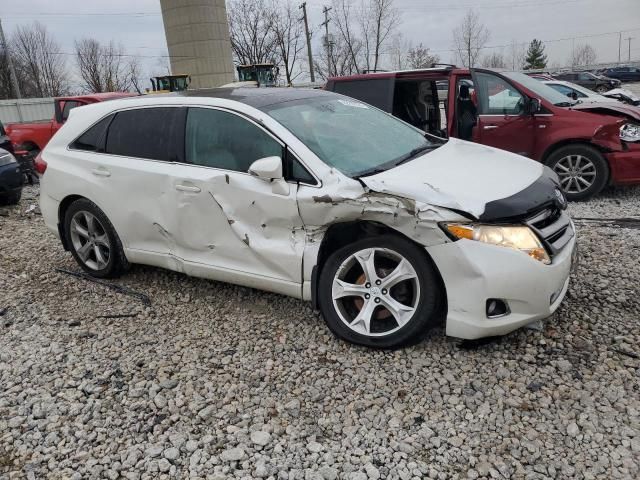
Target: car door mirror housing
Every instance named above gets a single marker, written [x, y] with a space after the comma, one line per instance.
[534, 106]
[267, 168]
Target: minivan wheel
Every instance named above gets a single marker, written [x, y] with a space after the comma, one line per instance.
[93, 241]
[582, 169]
[601, 89]
[380, 292]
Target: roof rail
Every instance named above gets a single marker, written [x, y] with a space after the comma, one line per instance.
[448, 65]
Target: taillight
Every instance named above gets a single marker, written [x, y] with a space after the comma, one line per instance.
[39, 164]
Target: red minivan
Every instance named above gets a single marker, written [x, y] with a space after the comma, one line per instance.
[588, 145]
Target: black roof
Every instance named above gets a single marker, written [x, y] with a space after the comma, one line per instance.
[258, 97]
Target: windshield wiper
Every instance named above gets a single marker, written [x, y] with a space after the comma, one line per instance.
[415, 152]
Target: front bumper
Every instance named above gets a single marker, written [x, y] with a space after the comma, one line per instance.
[625, 164]
[10, 179]
[474, 272]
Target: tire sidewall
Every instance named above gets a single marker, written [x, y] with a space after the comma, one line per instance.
[428, 302]
[113, 266]
[602, 168]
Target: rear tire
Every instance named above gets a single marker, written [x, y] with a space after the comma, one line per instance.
[582, 169]
[381, 292]
[93, 241]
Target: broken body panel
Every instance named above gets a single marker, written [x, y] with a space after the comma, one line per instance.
[235, 227]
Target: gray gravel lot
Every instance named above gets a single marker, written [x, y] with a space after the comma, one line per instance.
[218, 381]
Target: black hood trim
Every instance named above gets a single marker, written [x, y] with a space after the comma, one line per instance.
[540, 194]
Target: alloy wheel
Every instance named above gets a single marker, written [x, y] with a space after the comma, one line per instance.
[90, 240]
[577, 173]
[375, 291]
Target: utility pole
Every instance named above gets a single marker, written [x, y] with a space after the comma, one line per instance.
[326, 10]
[619, 45]
[629, 40]
[12, 72]
[306, 31]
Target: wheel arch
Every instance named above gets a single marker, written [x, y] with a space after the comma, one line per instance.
[341, 234]
[62, 211]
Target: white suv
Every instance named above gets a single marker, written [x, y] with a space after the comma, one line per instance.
[311, 194]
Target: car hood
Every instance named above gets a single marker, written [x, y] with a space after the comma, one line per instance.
[613, 108]
[481, 181]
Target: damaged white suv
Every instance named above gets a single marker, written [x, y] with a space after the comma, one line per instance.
[311, 194]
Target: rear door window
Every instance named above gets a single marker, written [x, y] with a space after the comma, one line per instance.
[150, 133]
[67, 107]
[376, 92]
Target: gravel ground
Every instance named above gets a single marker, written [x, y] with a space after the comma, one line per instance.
[217, 381]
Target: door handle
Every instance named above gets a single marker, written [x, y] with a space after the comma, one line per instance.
[187, 188]
[489, 127]
[101, 172]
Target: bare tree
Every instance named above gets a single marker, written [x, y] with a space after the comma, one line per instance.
[341, 62]
[469, 38]
[398, 51]
[420, 57]
[290, 41]
[38, 58]
[582, 55]
[251, 26]
[378, 21]
[344, 24]
[106, 68]
[494, 60]
[516, 53]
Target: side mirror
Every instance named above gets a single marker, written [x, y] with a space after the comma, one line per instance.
[267, 168]
[534, 106]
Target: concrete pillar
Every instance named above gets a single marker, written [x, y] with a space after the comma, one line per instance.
[197, 34]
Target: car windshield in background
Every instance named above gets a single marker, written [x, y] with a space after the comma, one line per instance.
[353, 137]
[543, 91]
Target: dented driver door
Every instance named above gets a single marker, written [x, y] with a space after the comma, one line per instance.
[230, 225]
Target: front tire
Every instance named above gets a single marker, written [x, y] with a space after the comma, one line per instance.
[602, 89]
[582, 169]
[381, 292]
[93, 241]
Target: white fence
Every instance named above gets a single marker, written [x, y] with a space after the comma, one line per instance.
[26, 110]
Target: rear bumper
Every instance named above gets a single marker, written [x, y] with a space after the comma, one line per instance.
[10, 179]
[625, 164]
[474, 272]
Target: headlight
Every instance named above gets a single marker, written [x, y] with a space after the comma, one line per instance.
[516, 237]
[630, 132]
[6, 158]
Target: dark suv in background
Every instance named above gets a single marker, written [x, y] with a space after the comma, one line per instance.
[624, 74]
[597, 83]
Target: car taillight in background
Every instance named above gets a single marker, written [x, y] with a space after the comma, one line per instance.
[39, 164]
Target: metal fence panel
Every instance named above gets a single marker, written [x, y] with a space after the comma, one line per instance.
[26, 110]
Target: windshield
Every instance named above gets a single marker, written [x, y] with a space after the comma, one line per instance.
[353, 137]
[540, 89]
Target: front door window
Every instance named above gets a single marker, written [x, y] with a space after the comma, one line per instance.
[498, 97]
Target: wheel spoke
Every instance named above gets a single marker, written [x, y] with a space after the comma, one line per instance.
[84, 251]
[402, 313]
[102, 240]
[564, 169]
[585, 182]
[402, 272]
[362, 322]
[76, 227]
[100, 259]
[91, 227]
[366, 259]
[344, 289]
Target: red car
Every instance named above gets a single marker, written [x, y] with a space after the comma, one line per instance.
[587, 145]
[30, 138]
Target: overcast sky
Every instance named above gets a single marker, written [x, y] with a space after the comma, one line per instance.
[138, 23]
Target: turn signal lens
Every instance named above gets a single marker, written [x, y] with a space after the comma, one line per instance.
[517, 237]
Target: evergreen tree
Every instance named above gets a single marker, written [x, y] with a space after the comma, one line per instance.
[535, 58]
